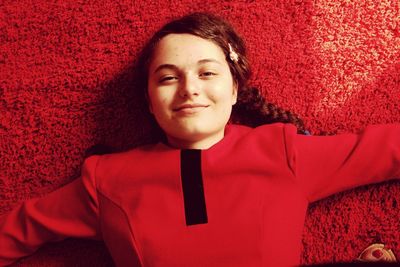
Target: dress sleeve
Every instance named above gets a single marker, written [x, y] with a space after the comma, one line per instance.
[324, 165]
[71, 211]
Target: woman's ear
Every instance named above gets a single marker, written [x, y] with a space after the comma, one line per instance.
[234, 93]
[150, 107]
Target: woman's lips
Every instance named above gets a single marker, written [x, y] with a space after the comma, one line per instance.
[190, 108]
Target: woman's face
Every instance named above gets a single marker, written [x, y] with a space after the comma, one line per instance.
[191, 90]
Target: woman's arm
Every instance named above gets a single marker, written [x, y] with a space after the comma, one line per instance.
[71, 211]
[324, 165]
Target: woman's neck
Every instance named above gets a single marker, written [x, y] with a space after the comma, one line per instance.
[200, 143]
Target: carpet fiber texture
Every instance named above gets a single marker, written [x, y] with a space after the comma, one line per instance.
[66, 83]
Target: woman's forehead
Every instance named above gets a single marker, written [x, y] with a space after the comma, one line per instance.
[185, 48]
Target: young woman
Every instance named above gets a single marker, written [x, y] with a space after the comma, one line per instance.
[210, 193]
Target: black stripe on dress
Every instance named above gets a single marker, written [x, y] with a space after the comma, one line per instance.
[192, 185]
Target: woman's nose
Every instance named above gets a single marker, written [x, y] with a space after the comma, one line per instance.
[189, 86]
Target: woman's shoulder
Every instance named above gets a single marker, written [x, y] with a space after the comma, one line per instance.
[268, 135]
[274, 129]
[130, 154]
[113, 168]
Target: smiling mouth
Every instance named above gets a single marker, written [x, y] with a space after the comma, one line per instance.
[190, 108]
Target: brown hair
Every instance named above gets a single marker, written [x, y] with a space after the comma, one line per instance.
[251, 108]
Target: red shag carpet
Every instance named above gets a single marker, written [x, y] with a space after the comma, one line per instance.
[66, 84]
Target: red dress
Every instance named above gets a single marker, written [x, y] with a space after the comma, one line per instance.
[246, 208]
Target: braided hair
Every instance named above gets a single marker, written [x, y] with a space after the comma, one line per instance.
[252, 110]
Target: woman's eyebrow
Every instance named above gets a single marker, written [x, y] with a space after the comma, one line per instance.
[165, 66]
[207, 60]
[174, 67]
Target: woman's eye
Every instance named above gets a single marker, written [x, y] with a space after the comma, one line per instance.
[207, 74]
[167, 79]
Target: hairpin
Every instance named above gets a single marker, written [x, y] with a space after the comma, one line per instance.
[232, 54]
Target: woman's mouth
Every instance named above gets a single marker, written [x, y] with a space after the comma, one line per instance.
[190, 108]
